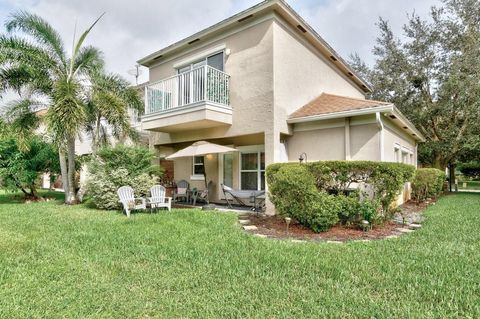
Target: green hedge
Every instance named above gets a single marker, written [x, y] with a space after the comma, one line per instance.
[427, 183]
[295, 190]
[118, 166]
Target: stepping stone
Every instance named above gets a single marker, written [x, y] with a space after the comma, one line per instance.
[391, 237]
[250, 227]
[415, 226]
[260, 235]
[405, 230]
[334, 242]
[244, 221]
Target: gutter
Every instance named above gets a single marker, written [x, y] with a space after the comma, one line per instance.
[378, 118]
[350, 113]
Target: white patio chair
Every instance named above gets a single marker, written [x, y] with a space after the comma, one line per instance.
[128, 200]
[158, 199]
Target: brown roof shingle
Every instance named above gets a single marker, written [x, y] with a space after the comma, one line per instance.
[329, 103]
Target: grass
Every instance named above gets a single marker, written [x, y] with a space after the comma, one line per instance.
[75, 262]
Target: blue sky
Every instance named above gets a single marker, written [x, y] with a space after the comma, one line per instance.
[133, 29]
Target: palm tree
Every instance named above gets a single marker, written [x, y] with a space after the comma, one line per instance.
[33, 58]
[110, 99]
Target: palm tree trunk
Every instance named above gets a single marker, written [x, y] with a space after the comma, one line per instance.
[71, 170]
[64, 170]
[95, 137]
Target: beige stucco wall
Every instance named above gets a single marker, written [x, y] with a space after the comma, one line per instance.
[302, 74]
[251, 88]
[326, 140]
[396, 136]
[319, 144]
[364, 142]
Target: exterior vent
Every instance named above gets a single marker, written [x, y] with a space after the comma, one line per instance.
[393, 117]
[363, 86]
[333, 58]
[405, 127]
[350, 73]
[414, 135]
[301, 28]
[245, 18]
[193, 41]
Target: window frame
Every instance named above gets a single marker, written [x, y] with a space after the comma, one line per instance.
[197, 177]
[258, 170]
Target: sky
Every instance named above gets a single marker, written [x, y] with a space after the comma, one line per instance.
[131, 30]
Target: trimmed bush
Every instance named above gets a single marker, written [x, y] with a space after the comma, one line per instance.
[316, 194]
[116, 167]
[427, 183]
[293, 192]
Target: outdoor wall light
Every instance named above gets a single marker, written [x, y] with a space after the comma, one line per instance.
[303, 157]
[288, 220]
[209, 156]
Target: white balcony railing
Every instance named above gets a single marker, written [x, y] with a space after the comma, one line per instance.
[203, 84]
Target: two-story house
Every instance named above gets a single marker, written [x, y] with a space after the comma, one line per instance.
[263, 81]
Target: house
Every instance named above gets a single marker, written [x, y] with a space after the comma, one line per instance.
[264, 82]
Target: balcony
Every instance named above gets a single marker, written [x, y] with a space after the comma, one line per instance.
[195, 99]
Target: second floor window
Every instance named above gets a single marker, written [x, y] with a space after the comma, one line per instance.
[215, 61]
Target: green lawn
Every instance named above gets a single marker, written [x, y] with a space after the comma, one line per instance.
[76, 262]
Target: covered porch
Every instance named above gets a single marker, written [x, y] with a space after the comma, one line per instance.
[240, 170]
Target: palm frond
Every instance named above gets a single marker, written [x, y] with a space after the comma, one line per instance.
[79, 44]
[40, 30]
[88, 60]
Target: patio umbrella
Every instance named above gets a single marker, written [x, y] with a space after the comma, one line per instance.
[201, 148]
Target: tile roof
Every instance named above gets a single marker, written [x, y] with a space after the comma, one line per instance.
[329, 103]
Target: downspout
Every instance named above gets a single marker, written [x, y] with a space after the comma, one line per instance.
[347, 139]
[378, 117]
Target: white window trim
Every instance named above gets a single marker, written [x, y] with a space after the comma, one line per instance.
[221, 195]
[201, 55]
[248, 150]
[197, 177]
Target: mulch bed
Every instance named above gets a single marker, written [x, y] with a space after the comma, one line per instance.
[275, 227]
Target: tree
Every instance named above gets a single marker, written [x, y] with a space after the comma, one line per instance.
[108, 104]
[433, 76]
[21, 168]
[33, 59]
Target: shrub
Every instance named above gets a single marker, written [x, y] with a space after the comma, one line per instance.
[470, 170]
[116, 167]
[21, 167]
[294, 194]
[427, 182]
[386, 179]
[301, 190]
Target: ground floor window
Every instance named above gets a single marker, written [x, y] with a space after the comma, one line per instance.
[198, 166]
[252, 170]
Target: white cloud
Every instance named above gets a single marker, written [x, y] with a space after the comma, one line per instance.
[133, 29]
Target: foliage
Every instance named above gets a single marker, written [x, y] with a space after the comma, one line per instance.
[293, 192]
[99, 260]
[296, 188]
[118, 166]
[102, 186]
[136, 159]
[20, 169]
[110, 101]
[470, 170]
[34, 62]
[385, 179]
[432, 74]
[427, 183]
